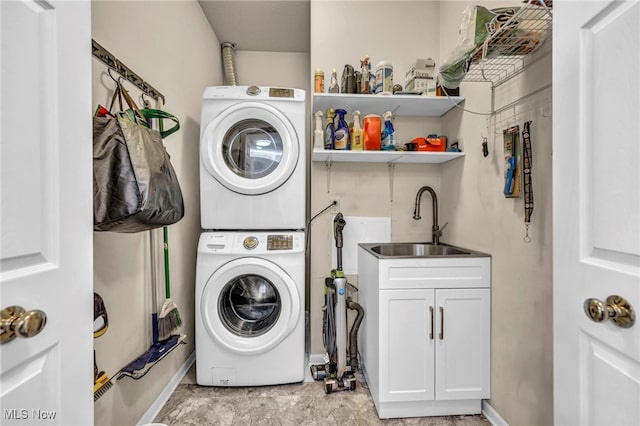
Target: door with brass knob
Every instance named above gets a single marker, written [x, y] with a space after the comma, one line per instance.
[596, 211]
[16, 322]
[46, 235]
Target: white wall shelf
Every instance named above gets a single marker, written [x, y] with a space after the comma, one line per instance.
[432, 106]
[331, 156]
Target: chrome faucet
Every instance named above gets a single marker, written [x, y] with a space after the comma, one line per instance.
[436, 232]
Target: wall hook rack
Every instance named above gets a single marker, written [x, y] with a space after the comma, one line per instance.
[115, 64]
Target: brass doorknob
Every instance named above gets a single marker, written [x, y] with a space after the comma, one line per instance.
[16, 322]
[616, 309]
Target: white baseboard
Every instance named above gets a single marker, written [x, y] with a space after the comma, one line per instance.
[492, 415]
[168, 390]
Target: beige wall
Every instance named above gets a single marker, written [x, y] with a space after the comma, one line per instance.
[171, 45]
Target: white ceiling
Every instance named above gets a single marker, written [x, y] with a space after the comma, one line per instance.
[267, 25]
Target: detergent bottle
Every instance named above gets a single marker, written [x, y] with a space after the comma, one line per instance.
[318, 133]
[372, 129]
[357, 136]
[342, 137]
[329, 132]
[388, 133]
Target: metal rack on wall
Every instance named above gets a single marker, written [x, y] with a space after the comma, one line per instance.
[517, 44]
[114, 63]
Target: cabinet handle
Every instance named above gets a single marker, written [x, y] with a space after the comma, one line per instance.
[441, 323]
[431, 334]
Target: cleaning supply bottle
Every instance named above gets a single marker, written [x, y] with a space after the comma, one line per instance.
[318, 133]
[343, 140]
[388, 133]
[364, 80]
[371, 128]
[333, 87]
[357, 141]
[329, 132]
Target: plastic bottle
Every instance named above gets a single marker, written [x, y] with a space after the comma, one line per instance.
[318, 81]
[364, 80]
[318, 133]
[384, 77]
[333, 87]
[329, 132]
[342, 137]
[371, 129]
[388, 133]
[357, 141]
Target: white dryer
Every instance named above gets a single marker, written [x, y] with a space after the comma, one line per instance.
[250, 327]
[252, 158]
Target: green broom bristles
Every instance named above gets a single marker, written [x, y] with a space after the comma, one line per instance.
[168, 320]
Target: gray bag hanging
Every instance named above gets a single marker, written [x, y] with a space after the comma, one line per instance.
[134, 185]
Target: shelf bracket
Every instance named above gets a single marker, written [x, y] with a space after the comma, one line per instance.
[392, 169]
[327, 165]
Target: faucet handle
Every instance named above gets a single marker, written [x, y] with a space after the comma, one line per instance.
[444, 226]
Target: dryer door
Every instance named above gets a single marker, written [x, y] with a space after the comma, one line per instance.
[250, 148]
[249, 305]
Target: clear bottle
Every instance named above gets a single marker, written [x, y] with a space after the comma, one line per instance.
[333, 86]
[329, 132]
[366, 78]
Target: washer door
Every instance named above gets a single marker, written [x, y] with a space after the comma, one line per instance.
[250, 148]
[250, 305]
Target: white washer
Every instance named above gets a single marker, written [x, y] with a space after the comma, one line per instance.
[252, 158]
[250, 327]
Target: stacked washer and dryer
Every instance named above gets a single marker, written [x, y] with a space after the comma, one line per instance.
[250, 322]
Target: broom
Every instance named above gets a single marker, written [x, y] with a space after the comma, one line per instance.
[169, 318]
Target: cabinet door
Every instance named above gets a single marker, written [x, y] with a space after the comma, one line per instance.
[406, 345]
[463, 324]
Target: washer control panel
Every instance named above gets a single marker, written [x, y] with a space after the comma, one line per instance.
[280, 242]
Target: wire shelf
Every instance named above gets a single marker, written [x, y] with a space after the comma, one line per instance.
[521, 40]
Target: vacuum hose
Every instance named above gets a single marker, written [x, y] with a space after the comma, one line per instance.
[353, 334]
[229, 66]
[338, 225]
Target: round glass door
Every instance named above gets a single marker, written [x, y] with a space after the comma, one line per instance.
[250, 148]
[249, 305]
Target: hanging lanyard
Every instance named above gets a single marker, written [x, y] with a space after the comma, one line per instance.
[528, 186]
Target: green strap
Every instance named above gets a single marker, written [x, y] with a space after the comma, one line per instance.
[161, 116]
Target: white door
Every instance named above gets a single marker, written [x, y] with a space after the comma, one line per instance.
[463, 343]
[596, 159]
[46, 212]
[407, 333]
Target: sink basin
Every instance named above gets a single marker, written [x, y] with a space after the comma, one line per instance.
[417, 250]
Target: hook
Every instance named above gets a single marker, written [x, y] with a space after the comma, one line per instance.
[144, 101]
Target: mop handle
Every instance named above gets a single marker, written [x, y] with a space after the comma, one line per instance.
[154, 290]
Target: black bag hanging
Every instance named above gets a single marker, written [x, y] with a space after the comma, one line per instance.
[135, 187]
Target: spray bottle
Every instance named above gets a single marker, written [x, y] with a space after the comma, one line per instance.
[343, 139]
[329, 132]
[388, 133]
[357, 136]
[318, 134]
[333, 87]
[365, 79]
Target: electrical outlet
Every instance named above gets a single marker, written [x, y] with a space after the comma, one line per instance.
[335, 208]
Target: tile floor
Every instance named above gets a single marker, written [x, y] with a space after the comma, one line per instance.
[294, 404]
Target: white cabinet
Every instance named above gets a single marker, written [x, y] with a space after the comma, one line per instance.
[425, 340]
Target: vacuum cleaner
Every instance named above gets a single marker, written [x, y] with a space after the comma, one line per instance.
[341, 361]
